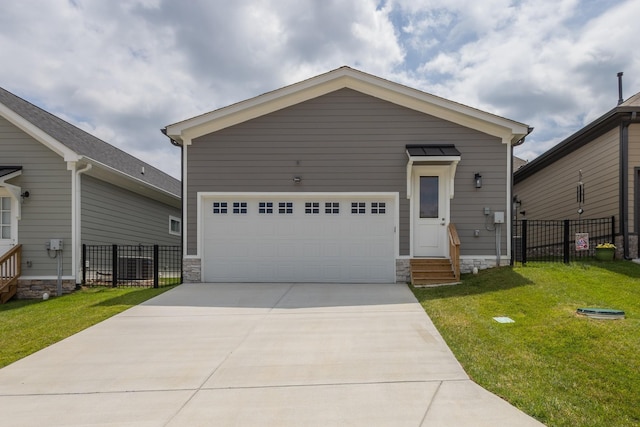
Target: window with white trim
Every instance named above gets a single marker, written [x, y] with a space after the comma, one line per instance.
[285, 207]
[312, 208]
[358, 207]
[5, 218]
[219, 207]
[378, 207]
[265, 207]
[332, 207]
[175, 226]
[239, 207]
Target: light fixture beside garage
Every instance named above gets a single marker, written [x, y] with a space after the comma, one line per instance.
[297, 179]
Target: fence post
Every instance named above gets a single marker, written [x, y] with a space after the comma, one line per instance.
[613, 229]
[84, 263]
[565, 243]
[114, 266]
[524, 241]
[156, 266]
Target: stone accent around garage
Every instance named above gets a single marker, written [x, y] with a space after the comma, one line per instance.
[192, 270]
[403, 270]
[34, 289]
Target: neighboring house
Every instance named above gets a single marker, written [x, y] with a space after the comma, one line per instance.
[605, 157]
[343, 177]
[518, 163]
[59, 182]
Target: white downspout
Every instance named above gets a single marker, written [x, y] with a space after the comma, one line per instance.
[76, 236]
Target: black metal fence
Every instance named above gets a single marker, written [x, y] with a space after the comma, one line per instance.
[560, 240]
[122, 265]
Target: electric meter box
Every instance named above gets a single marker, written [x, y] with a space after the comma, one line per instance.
[498, 217]
[55, 244]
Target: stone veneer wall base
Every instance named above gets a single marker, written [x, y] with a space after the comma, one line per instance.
[191, 270]
[34, 289]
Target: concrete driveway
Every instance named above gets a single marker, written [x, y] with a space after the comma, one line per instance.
[255, 355]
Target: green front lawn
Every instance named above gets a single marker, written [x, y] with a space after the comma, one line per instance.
[563, 369]
[27, 326]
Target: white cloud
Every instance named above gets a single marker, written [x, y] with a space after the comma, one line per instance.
[122, 70]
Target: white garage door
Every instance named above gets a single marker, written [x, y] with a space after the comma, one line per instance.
[293, 238]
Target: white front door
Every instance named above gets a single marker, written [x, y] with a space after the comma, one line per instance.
[7, 222]
[430, 211]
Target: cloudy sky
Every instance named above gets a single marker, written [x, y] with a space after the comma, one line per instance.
[124, 69]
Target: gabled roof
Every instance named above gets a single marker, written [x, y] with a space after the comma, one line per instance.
[74, 144]
[345, 77]
[628, 110]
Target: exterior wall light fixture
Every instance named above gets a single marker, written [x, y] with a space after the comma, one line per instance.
[478, 180]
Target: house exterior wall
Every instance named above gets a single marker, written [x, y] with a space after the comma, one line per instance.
[46, 214]
[347, 141]
[634, 190]
[112, 215]
[551, 193]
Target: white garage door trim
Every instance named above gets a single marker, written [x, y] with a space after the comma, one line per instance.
[206, 198]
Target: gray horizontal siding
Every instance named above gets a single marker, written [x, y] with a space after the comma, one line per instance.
[112, 215]
[551, 192]
[634, 162]
[46, 214]
[346, 141]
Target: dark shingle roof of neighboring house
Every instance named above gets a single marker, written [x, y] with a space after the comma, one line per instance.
[87, 145]
[628, 110]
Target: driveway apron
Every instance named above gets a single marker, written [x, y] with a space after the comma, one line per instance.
[242, 354]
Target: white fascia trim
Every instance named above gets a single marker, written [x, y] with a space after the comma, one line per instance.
[347, 78]
[129, 177]
[291, 195]
[38, 134]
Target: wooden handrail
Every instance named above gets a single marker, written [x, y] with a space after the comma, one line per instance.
[454, 249]
[10, 266]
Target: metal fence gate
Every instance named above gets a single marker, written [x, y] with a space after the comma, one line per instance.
[123, 265]
[559, 240]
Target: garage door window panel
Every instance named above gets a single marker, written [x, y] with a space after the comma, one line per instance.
[265, 207]
[312, 207]
[219, 207]
[358, 208]
[239, 207]
[332, 207]
[285, 207]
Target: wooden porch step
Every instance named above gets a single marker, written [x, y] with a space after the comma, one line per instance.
[7, 292]
[431, 271]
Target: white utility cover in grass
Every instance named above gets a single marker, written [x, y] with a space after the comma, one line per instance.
[298, 238]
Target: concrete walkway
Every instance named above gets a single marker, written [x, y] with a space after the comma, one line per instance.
[255, 355]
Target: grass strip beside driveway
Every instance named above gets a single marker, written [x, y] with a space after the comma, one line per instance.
[563, 369]
[27, 326]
